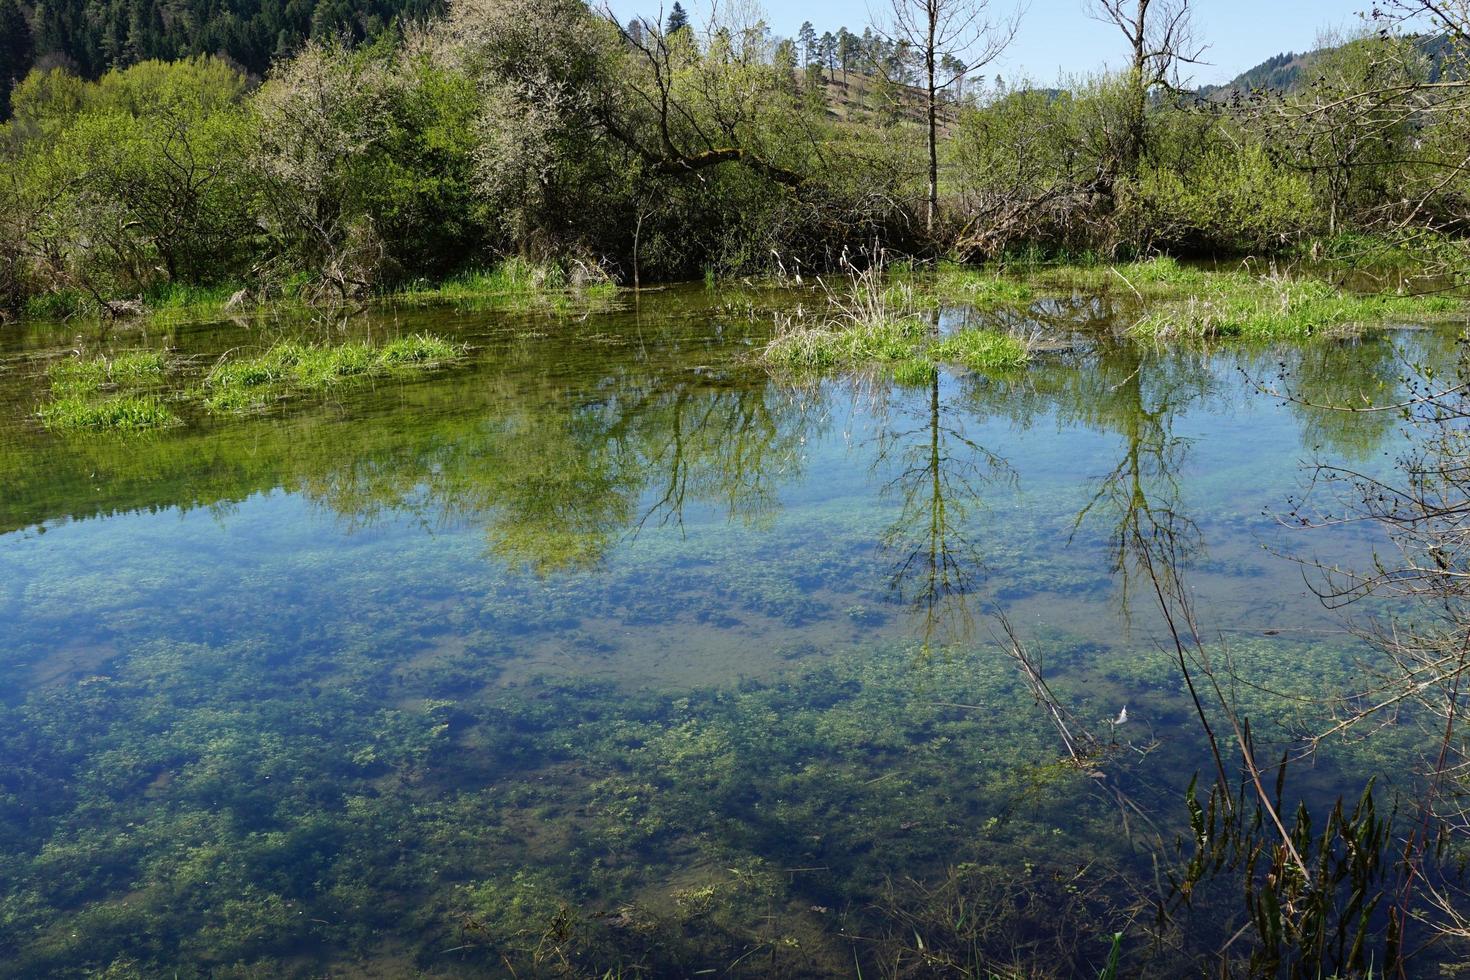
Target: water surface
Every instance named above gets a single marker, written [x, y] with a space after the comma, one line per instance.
[606, 649]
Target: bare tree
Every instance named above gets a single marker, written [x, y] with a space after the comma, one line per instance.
[1160, 36]
[965, 30]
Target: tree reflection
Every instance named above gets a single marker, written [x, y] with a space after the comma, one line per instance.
[940, 474]
[1133, 395]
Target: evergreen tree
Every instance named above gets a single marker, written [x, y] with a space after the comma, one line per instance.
[17, 51]
[847, 51]
[678, 19]
[806, 40]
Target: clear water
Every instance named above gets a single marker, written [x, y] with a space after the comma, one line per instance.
[605, 650]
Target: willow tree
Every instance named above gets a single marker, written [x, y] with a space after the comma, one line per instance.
[948, 32]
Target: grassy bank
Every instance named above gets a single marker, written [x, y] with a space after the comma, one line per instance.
[1181, 302]
[514, 284]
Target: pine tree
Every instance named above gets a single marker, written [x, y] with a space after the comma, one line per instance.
[16, 51]
[806, 40]
[847, 47]
[678, 19]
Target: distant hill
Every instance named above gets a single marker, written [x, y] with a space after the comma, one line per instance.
[1291, 71]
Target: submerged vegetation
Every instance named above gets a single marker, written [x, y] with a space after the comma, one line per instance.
[498, 719]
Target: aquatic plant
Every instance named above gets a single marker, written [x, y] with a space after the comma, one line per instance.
[517, 283]
[118, 412]
[131, 369]
[1273, 307]
[285, 368]
[982, 286]
[983, 350]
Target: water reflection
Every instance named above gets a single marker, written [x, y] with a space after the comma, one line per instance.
[938, 475]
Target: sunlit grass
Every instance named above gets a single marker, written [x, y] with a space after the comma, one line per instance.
[117, 413]
[981, 286]
[237, 383]
[132, 369]
[836, 345]
[982, 350]
[515, 284]
[1269, 308]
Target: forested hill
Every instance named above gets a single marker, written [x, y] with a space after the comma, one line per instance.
[1292, 70]
[90, 36]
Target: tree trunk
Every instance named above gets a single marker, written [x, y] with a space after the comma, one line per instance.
[929, 54]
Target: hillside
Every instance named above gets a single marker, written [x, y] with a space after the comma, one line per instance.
[1291, 71]
[90, 36]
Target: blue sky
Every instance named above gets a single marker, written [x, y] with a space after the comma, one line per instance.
[1057, 37]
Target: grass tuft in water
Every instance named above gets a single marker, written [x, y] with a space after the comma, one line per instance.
[915, 372]
[1236, 305]
[518, 284]
[831, 345]
[118, 413]
[81, 375]
[983, 350]
[417, 349]
[981, 286]
[287, 368]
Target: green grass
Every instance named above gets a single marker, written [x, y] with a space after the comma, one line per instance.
[116, 413]
[286, 368]
[1237, 305]
[837, 345]
[513, 284]
[417, 349]
[916, 372]
[133, 369]
[981, 286]
[982, 350]
[905, 344]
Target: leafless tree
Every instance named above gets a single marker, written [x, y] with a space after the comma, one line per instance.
[1160, 35]
[947, 32]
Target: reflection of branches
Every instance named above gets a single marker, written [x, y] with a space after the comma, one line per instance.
[936, 564]
[1423, 509]
[556, 482]
[1140, 497]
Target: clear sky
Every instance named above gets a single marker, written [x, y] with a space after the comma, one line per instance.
[1057, 37]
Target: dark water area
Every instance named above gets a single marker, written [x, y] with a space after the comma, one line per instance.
[606, 650]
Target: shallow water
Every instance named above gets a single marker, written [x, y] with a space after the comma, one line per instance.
[607, 650]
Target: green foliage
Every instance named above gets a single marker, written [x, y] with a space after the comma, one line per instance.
[134, 369]
[1228, 201]
[378, 159]
[847, 345]
[983, 350]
